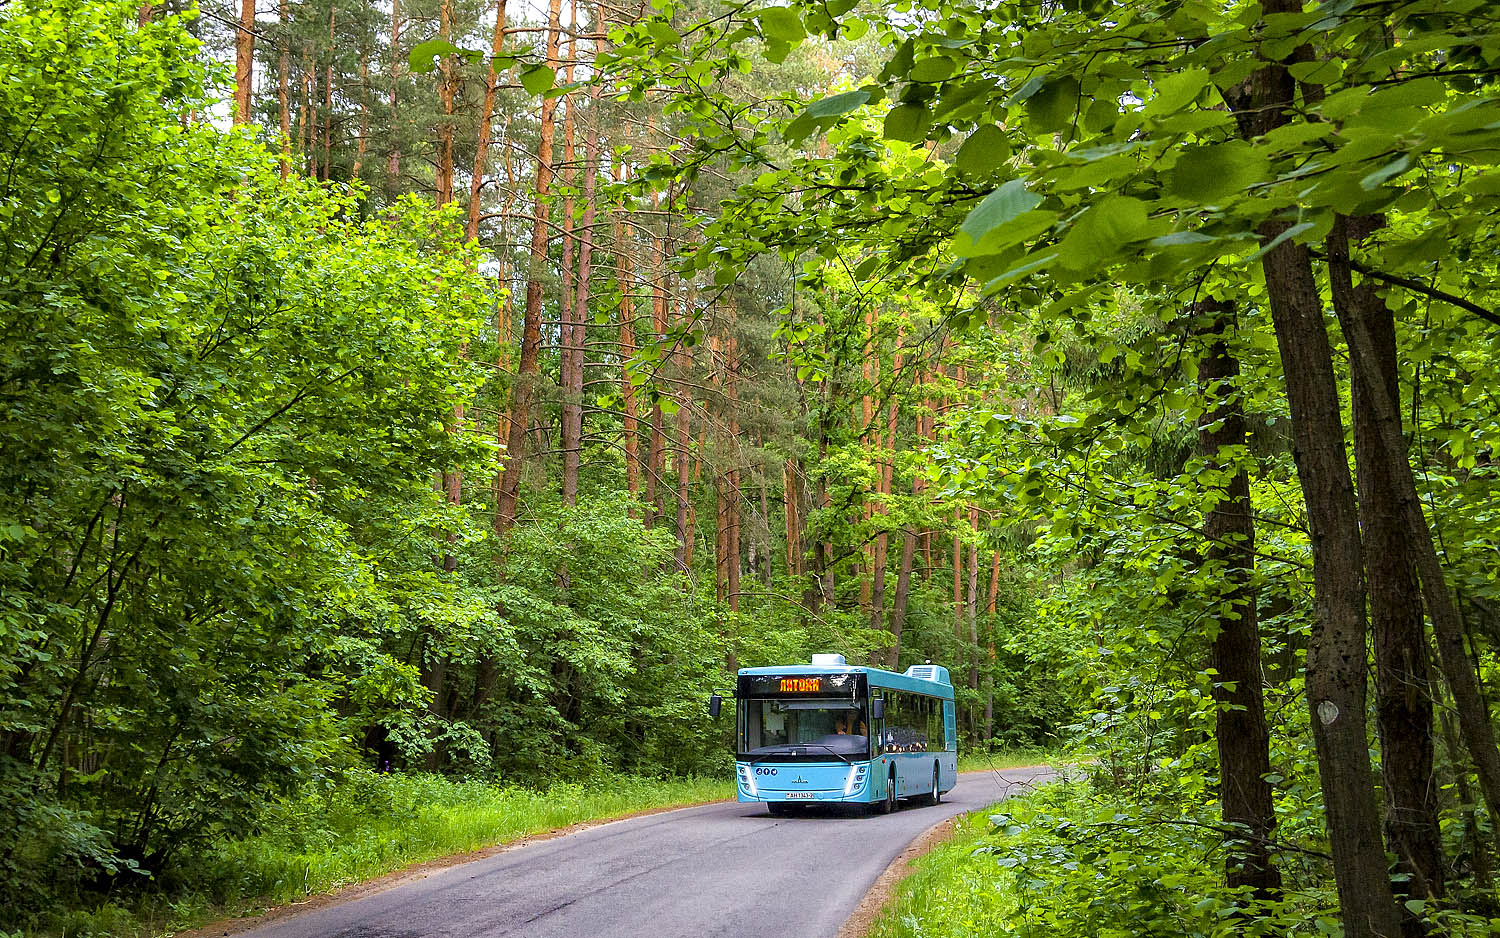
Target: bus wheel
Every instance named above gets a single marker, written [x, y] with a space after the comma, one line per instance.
[937, 795]
[889, 804]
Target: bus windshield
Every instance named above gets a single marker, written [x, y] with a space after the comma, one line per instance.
[830, 727]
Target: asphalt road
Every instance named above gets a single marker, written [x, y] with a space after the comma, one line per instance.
[728, 870]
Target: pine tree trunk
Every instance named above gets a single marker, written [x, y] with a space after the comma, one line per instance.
[656, 453]
[683, 399]
[309, 118]
[364, 115]
[393, 162]
[625, 260]
[567, 325]
[903, 595]
[1243, 739]
[328, 96]
[527, 369]
[972, 604]
[731, 365]
[958, 579]
[994, 583]
[793, 519]
[244, 62]
[447, 91]
[577, 342]
[283, 87]
[486, 118]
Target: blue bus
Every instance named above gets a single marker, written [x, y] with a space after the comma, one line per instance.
[828, 732]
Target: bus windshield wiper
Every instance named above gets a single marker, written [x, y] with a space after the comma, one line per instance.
[794, 750]
[834, 751]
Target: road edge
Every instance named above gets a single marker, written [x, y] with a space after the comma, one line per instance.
[882, 892]
[247, 920]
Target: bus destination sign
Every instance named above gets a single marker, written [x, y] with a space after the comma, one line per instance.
[801, 685]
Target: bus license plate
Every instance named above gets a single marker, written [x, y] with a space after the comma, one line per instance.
[799, 794]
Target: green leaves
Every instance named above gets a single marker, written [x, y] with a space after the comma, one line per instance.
[999, 208]
[1176, 90]
[538, 79]
[986, 149]
[824, 113]
[424, 55]
[1053, 106]
[838, 104]
[1098, 235]
[782, 29]
[1207, 174]
[907, 123]
[782, 24]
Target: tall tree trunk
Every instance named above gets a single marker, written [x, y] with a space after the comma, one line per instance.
[1479, 856]
[577, 342]
[721, 501]
[1244, 740]
[766, 563]
[958, 579]
[731, 366]
[328, 95]
[309, 117]
[882, 447]
[364, 115]
[283, 86]
[447, 92]
[1336, 659]
[793, 515]
[972, 608]
[625, 261]
[1335, 678]
[1447, 626]
[486, 118]
[527, 370]
[903, 596]
[657, 454]
[1404, 713]
[683, 436]
[994, 596]
[244, 62]
[909, 538]
[393, 162]
[570, 354]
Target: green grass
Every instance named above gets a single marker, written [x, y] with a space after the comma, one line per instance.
[948, 894]
[363, 827]
[979, 761]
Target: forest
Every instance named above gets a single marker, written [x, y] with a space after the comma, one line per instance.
[466, 389]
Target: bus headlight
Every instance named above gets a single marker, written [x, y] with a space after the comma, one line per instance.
[856, 778]
[748, 780]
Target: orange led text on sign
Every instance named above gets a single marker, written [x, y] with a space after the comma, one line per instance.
[801, 685]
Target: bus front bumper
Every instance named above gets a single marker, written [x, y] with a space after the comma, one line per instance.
[802, 783]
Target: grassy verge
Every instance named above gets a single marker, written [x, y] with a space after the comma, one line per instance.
[361, 828]
[1010, 759]
[947, 894]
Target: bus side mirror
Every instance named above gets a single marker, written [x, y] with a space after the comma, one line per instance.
[877, 708]
[715, 704]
